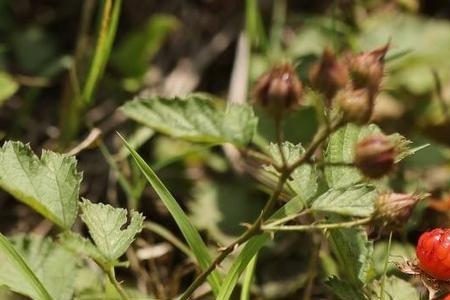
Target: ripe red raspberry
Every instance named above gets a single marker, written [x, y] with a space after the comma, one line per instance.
[433, 252]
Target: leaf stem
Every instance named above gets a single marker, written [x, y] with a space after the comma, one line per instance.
[311, 227]
[112, 278]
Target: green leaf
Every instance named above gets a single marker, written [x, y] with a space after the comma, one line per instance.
[355, 201]
[252, 247]
[56, 267]
[340, 149]
[8, 86]
[353, 252]
[344, 290]
[82, 246]
[189, 232]
[397, 289]
[17, 275]
[195, 118]
[105, 224]
[50, 185]
[304, 178]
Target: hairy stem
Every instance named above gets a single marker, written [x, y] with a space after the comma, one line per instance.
[311, 227]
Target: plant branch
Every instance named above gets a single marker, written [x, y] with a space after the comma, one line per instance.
[116, 284]
[311, 227]
[257, 227]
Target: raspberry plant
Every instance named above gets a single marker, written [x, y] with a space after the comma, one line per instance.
[332, 186]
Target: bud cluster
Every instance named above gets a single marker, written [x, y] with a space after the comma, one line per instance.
[350, 83]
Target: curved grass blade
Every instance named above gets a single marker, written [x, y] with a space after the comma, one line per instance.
[189, 232]
[17, 275]
[249, 274]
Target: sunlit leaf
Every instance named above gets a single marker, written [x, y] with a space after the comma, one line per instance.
[106, 227]
[50, 185]
[195, 118]
[353, 201]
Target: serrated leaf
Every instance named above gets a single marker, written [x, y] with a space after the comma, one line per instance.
[353, 252]
[341, 149]
[105, 224]
[17, 274]
[195, 118]
[304, 178]
[189, 232]
[55, 266]
[50, 185]
[344, 290]
[355, 201]
[8, 86]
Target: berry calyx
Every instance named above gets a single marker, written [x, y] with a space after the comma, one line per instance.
[279, 90]
[433, 252]
[375, 156]
[395, 208]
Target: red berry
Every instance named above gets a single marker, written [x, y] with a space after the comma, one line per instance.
[446, 297]
[433, 252]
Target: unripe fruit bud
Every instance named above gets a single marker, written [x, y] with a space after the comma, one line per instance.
[279, 90]
[366, 69]
[375, 156]
[433, 252]
[329, 75]
[394, 208]
[356, 105]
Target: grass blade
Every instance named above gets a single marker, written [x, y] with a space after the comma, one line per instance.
[106, 35]
[249, 274]
[189, 232]
[22, 280]
[252, 248]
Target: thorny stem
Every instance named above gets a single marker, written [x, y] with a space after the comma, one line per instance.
[289, 218]
[116, 284]
[311, 227]
[257, 227]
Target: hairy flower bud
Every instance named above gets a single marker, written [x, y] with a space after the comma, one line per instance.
[279, 90]
[394, 208]
[329, 75]
[367, 69]
[375, 155]
[356, 105]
